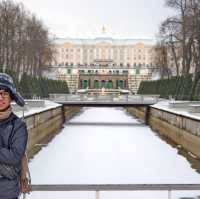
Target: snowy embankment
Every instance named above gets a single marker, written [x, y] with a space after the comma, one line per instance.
[183, 110]
[28, 110]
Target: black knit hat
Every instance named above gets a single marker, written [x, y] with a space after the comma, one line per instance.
[6, 82]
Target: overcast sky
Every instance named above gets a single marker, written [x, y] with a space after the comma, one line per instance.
[85, 18]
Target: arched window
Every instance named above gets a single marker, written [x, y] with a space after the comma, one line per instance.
[121, 84]
[85, 84]
[103, 84]
[96, 84]
[110, 84]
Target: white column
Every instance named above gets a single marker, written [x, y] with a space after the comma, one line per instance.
[106, 53]
[118, 56]
[74, 56]
[95, 53]
[100, 53]
[81, 55]
[125, 56]
[88, 55]
[111, 53]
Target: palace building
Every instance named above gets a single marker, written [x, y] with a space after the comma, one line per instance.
[103, 62]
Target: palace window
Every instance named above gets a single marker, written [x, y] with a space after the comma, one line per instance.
[82, 71]
[69, 71]
[85, 84]
[137, 71]
[103, 84]
[96, 84]
[110, 84]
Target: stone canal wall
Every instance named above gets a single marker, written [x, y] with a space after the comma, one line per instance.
[180, 129]
[43, 126]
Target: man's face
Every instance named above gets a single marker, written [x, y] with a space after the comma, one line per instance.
[5, 99]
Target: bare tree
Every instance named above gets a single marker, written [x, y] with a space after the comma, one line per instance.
[194, 14]
[176, 31]
[24, 40]
[161, 60]
[169, 31]
[181, 34]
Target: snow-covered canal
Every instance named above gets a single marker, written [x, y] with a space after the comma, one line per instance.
[115, 149]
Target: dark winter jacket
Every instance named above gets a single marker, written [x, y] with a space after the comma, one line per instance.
[13, 141]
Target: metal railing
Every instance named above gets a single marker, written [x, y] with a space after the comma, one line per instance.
[118, 187]
[84, 98]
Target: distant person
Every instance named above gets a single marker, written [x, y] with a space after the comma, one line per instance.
[13, 142]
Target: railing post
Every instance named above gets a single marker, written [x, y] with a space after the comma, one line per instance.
[147, 113]
[169, 194]
[156, 99]
[97, 195]
[127, 98]
[142, 99]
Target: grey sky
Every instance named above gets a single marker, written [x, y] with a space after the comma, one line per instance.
[85, 18]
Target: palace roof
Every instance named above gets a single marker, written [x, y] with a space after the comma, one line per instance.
[103, 40]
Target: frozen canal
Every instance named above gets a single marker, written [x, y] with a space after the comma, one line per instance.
[115, 149]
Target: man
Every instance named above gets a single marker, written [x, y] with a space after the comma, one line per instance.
[13, 142]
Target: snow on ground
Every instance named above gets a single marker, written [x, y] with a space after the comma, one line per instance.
[184, 111]
[92, 154]
[32, 110]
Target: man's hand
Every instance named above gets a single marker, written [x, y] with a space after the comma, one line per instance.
[25, 180]
[25, 185]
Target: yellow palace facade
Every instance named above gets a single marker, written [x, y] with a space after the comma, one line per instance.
[103, 62]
